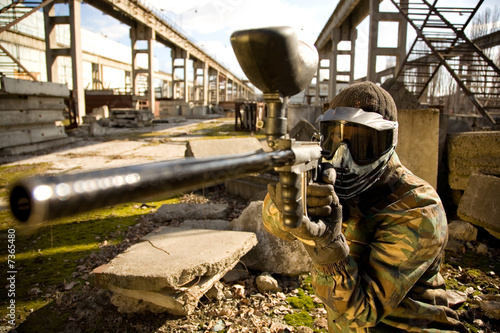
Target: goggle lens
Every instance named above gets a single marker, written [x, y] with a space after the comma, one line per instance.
[365, 144]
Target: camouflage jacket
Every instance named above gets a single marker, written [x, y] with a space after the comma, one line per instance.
[390, 282]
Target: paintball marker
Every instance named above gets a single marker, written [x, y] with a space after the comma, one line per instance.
[277, 63]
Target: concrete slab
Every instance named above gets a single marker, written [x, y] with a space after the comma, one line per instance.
[29, 117]
[184, 211]
[480, 203]
[219, 147]
[28, 135]
[34, 147]
[470, 152]
[14, 102]
[24, 87]
[206, 224]
[174, 267]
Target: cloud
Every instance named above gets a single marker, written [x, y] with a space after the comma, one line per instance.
[224, 55]
[98, 22]
[212, 22]
[231, 15]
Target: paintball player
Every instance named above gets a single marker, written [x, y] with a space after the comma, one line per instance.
[377, 238]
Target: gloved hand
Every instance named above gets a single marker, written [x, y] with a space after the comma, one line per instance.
[321, 197]
[322, 239]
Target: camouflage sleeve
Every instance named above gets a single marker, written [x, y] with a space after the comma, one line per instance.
[273, 221]
[410, 236]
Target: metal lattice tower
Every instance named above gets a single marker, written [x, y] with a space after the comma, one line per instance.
[441, 41]
[11, 14]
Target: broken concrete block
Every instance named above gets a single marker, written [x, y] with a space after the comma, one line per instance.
[472, 152]
[130, 117]
[303, 131]
[481, 201]
[418, 142]
[208, 148]
[266, 283]
[101, 112]
[462, 230]
[272, 254]
[253, 187]
[192, 212]
[172, 268]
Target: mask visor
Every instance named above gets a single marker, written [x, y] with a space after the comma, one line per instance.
[366, 144]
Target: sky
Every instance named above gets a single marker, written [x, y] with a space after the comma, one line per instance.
[210, 24]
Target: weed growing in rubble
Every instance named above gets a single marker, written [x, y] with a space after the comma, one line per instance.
[302, 301]
[305, 304]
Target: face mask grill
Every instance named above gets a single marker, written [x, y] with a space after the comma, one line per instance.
[352, 179]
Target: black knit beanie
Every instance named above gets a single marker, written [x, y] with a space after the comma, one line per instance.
[369, 97]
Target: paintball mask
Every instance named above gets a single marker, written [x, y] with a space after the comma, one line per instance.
[360, 145]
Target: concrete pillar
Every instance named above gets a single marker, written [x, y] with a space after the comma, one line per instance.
[318, 82]
[197, 81]
[186, 88]
[75, 25]
[374, 50]
[217, 87]
[205, 83]
[212, 73]
[239, 91]
[372, 41]
[344, 33]
[74, 51]
[353, 35]
[332, 86]
[50, 43]
[97, 76]
[200, 82]
[402, 37]
[229, 89]
[225, 88]
[134, 74]
[178, 53]
[143, 33]
[151, 36]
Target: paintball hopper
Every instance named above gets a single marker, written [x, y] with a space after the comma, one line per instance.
[274, 60]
